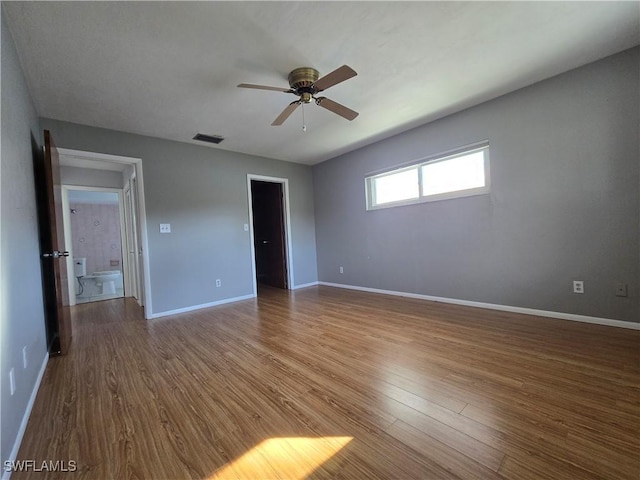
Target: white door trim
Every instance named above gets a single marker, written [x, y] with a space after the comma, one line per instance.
[145, 295]
[131, 235]
[287, 228]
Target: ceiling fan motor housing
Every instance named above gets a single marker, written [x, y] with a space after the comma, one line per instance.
[301, 80]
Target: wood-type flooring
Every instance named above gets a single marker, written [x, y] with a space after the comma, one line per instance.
[331, 383]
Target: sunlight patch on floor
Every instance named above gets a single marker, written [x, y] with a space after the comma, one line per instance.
[291, 458]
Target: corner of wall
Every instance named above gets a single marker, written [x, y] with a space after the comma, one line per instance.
[22, 323]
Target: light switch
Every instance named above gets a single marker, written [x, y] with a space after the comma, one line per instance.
[165, 228]
[246, 227]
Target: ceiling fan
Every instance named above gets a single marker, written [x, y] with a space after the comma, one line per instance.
[305, 83]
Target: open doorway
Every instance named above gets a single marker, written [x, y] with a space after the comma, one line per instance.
[100, 171]
[96, 233]
[269, 228]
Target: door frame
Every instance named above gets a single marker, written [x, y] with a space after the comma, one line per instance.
[132, 210]
[66, 218]
[287, 227]
[131, 234]
[144, 296]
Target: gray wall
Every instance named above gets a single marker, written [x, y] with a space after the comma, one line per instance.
[21, 304]
[91, 177]
[202, 193]
[564, 202]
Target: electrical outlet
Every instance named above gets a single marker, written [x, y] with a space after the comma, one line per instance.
[622, 290]
[12, 381]
[24, 357]
[165, 228]
[218, 282]
[578, 286]
[341, 270]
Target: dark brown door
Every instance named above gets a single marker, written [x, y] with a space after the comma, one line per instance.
[52, 248]
[268, 233]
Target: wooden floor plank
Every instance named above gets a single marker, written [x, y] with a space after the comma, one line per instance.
[329, 383]
[450, 458]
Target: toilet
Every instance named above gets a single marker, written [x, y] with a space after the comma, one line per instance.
[107, 280]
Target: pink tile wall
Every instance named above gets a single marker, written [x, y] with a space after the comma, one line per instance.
[95, 232]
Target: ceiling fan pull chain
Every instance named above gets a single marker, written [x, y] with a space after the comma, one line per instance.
[304, 125]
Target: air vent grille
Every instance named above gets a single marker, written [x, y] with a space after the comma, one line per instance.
[208, 138]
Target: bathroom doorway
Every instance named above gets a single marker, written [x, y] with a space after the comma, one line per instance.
[96, 234]
[92, 171]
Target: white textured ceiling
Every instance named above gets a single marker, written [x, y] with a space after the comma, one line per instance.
[170, 69]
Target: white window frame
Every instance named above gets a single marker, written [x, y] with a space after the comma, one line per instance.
[417, 165]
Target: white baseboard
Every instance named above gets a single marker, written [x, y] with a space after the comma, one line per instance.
[25, 418]
[219, 302]
[305, 285]
[200, 307]
[506, 308]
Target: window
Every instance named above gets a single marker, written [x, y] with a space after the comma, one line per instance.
[396, 186]
[459, 174]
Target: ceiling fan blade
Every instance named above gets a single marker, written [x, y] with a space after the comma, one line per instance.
[330, 79]
[336, 107]
[285, 113]
[264, 87]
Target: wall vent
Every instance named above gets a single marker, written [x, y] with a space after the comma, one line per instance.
[208, 138]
